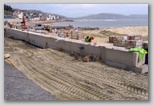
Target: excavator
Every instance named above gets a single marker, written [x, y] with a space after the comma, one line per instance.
[24, 26]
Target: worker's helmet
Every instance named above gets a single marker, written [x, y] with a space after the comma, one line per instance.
[92, 38]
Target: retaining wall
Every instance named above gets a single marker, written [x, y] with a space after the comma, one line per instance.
[112, 56]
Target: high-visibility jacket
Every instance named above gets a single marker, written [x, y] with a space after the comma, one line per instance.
[10, 25]
[47, 27]
[141, 51]
[44, 27]
[88, 38]
[16, 27]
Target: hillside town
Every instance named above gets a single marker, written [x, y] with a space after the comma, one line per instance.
[35, 15]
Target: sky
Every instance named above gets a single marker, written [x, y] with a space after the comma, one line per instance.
[79, 10]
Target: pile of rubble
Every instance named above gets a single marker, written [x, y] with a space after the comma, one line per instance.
[88, 28]
[128, 41]
[87, 58]
[72, 34]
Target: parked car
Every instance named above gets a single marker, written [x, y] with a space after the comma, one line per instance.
[38, 27]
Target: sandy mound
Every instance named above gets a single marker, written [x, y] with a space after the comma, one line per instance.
[131, 30]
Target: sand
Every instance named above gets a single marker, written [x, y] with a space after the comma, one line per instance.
[102, 35]
[69, 79]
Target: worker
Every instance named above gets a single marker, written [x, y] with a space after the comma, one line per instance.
[11, 25]
[47, 28]
[141, 51]
[89, 39]
[16, 27]
[44, 27]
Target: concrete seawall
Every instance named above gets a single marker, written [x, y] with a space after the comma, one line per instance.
[113, 56]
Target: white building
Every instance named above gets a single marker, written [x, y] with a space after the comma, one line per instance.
[40, 16]
[18, 14]
[57, 17]
[53, 17]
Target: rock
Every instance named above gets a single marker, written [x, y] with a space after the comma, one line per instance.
[88, 58]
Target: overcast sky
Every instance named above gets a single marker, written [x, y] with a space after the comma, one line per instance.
[77, 10]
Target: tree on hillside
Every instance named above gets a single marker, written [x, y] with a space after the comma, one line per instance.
[8, 8]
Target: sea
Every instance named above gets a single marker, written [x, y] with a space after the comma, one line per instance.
[104, 23]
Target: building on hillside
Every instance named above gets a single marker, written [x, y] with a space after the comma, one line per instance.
[40, 16]
[53, 17]
[43, 18]
[50, 17]
[57, 17]
[18, 14]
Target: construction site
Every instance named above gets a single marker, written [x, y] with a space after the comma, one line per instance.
[62, 63]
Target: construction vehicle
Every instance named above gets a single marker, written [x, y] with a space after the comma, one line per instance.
[24, 26]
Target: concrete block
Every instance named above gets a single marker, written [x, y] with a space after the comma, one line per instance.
[141, 69]
[102, 52]
[60, 44]
[16, 34]
[20, 35]
[67, 46]
[144, 68]
[9, 32]
[75, 47]
[37, 39]
[122, 57]
[52, 43]
[115, 64]
[94, 50]
[139, 63]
